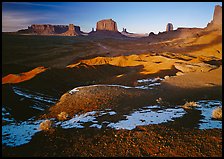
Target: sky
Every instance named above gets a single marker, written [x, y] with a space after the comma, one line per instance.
[136, 17]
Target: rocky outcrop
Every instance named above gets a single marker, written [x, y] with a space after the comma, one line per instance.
[169, 27]
[124, 30]
[217, 18]
[71, 31]
[193, 67]
[106, 24]
[151, 34]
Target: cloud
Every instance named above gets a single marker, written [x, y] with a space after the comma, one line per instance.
[15, 20]
[32, 4]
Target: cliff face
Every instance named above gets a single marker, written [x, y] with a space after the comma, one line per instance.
[106, 24]
[60, 28]
[71, 31]
[217, 19]
[42, 29]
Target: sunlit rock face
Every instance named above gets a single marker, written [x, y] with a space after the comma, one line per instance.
[72, 30]
[169, 27]
[217, 18]
[106, 24]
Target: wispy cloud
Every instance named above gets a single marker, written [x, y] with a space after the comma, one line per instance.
[32, 4]
[14, 20]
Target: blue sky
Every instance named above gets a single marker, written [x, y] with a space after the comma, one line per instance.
[137, 17]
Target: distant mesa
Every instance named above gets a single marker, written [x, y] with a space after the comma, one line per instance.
[106, 24]
[108, 28]
[48, 29]
[169, 27]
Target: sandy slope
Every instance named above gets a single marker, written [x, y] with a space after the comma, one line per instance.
[17, 78]
[197, 79]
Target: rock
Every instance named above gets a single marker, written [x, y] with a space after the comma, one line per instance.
[58, 29]
[217, 18]
[179, 73]
[42, 29]
[71, 31]
[166, 77]
[48, 29]
[151, 34]
[124, 30]
[169, 27]
[106, 24]
[193, 67]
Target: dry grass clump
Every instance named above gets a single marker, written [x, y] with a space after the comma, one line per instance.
[159, 100]
[62, 116]
[217, 113]
[45, 125]
[189, 105]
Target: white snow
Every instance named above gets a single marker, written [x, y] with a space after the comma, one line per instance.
[146, 117]
[206, 107]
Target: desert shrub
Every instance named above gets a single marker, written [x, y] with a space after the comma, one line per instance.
[62, 116]
[45, 125]
[189, 105]
[159, 100]
[217, 113]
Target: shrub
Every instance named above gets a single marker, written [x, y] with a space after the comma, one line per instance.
[62, 116]
[45, 125]
[189, 105]
[217, 113]
[159, 100]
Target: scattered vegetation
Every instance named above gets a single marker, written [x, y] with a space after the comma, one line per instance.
[45, 125]
[217, 113]
[62, 116]
[189, 105]
[159, 100]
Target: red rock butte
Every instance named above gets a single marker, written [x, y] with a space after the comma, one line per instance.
[106, 24]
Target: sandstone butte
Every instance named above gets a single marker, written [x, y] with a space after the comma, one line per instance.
[17, 78]
[106, 24]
